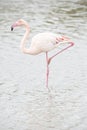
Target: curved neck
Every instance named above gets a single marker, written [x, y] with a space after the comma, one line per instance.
[23, 42]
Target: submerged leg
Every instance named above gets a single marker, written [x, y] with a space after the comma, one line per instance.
[49, 60]
[47, 73]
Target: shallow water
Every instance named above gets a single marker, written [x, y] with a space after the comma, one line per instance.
[25, 102]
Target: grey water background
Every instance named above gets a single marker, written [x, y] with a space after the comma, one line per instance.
[25, 103]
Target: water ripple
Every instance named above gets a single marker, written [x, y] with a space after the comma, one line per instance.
[25, 102]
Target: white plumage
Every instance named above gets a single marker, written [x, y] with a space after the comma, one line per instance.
[42, 42]
[45, 41]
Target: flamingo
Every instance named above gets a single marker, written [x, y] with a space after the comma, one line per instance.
[42, 43]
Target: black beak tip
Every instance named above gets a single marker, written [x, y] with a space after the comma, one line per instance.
[12, 28]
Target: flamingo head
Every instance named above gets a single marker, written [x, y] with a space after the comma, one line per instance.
[20, 22]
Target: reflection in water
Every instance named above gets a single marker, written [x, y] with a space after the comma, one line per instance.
[25, 103]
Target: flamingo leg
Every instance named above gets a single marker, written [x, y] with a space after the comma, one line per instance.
[49, 60]
[47, 73]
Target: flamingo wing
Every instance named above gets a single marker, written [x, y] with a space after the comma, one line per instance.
[46, 41]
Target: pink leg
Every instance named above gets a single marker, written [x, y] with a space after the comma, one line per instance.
[49, 60]
[47, 73]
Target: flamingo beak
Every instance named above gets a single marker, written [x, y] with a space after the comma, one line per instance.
[12, 28]
[14, 25]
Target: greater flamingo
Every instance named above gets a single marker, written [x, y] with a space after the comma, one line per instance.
[42, 42]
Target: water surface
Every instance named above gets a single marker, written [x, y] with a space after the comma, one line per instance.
[25, 102]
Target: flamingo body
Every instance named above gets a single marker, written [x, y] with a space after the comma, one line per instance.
[42, 42]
